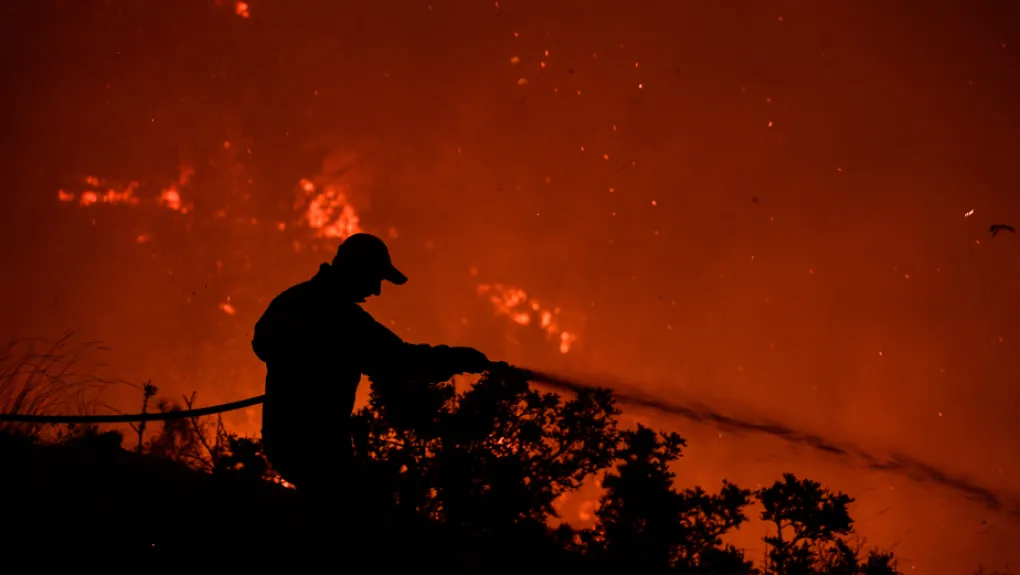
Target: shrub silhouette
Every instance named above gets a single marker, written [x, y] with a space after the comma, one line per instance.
[38, 377]
[646, 524]
[813, 527]
[458, 481]
[494, 456]
[490, 461]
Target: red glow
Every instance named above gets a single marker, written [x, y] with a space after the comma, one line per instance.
[788, 216]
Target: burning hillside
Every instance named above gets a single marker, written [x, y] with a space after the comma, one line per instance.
[747, 204]
[324, 216]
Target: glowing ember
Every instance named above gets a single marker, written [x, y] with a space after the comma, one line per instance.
[327, 210]
[241, 9]
[515, 304]
[566, 340]
[103, 192]
[281, 481]
[170, 198]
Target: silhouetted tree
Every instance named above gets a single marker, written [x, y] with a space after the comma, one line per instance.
[489, 461]
[812, 529]
[464, 479]
[647, 525]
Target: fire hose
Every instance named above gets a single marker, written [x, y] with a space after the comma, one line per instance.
[530, 375]
[896, 463]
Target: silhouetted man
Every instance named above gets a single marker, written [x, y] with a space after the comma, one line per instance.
[317, 342]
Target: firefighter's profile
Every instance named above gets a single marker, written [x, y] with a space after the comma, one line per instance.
[317, 342]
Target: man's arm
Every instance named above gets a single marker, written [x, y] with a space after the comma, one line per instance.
[383, 355]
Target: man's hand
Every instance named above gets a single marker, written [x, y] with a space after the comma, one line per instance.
[469, 360]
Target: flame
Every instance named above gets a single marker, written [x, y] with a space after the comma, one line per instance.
[566, 340]
[281, 481]
[170, 198]
[240, 8]
[514, 303]
[327, 210]
[323, 208]
[113, 193]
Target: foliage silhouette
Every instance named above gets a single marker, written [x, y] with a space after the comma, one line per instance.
[459, 481]
[37, 376]
[644, 523]
[813, 526]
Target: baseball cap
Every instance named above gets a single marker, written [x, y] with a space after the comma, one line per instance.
[368, 254]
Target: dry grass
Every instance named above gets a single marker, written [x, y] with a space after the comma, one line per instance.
[40, 377]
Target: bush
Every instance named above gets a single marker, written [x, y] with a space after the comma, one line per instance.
[463, 482]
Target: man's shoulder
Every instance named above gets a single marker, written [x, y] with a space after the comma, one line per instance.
[303, 292]
[308, 300]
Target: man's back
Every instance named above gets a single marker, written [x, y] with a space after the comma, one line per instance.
[307, 340]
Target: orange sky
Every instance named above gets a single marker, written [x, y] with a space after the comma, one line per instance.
[617, 182]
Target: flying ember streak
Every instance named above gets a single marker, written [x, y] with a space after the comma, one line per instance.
[515, 304]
